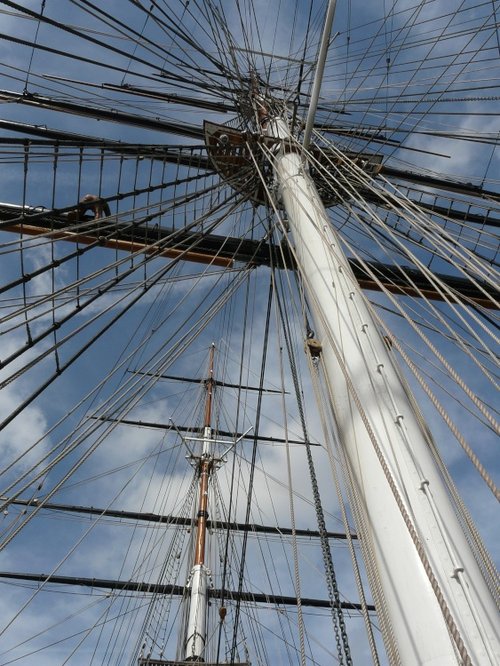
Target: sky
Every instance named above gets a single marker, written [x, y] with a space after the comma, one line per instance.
[146, 468]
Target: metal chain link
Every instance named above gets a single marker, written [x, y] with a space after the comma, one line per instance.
[314, 369]
[341, 637]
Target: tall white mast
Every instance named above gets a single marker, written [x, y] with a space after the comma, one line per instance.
[439, 607]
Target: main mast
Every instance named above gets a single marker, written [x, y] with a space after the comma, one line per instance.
[432, 599]
[434, 605]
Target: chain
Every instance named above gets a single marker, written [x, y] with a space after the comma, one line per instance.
[331, 580]
[321, 403]
[341, 637]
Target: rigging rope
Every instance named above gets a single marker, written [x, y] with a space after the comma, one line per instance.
[341, 637]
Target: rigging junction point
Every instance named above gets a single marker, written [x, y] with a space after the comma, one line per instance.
[231, 152]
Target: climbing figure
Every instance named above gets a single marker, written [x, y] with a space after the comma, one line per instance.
[96, 204]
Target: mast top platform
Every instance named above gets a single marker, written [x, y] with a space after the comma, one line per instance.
[231, 151]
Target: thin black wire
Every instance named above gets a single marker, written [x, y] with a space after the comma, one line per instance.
[233, 472]
[35, 39]
[241, 573]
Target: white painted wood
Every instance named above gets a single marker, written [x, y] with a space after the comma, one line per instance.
[343, 322]
[196, 627]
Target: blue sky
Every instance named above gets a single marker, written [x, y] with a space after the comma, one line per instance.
[150, 336]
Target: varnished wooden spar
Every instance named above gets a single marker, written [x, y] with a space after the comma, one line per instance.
[219, 250]
[120, 244]
[206, 463]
